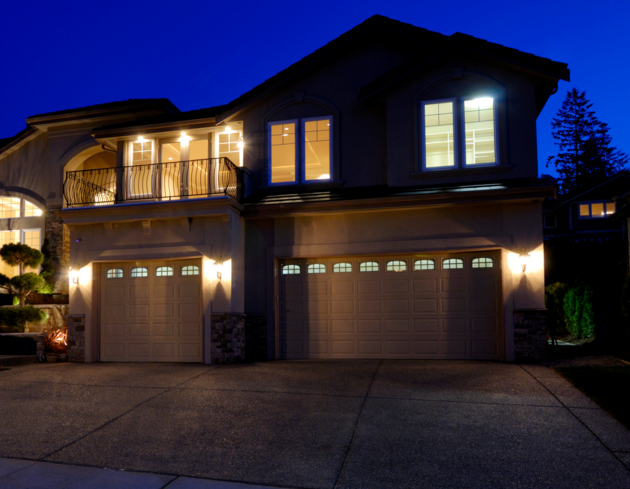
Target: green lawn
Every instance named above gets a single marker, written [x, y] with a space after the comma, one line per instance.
[607, 386]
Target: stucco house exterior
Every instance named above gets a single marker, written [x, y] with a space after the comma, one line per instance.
[377, 199]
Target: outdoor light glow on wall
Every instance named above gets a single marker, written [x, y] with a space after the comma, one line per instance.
[524, 260]
[184, 138]
[74, 276]
[241, 143]
[140, 138]
[218, 265]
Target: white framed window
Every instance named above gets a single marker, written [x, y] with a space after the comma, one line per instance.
[342, 268]
[396, 266]
[458, 133]
[316, 268]
[291, 270]
[7, 237]
[452, 264]
[368, 266]
[228, 145]
[164, 272]
[300, 150]
[550, 221]
[140, 181]
[424, 265]
[114, 273]
[597, 210]
[31, 210]
[9, 207]
[483, 262]
[139, 272]
[190, 270]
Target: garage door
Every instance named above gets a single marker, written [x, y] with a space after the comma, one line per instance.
[433, 306]
[151, 311]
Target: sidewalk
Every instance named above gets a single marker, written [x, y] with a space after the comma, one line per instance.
[16, 473]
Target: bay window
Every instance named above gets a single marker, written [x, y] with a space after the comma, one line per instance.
[310, 138]
[458, 133]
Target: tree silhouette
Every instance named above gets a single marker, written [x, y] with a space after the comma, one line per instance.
[585, 156]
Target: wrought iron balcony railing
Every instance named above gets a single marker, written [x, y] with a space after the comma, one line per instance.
[158, 182]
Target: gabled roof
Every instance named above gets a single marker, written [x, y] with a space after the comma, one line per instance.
[615, 186]
[5, 143]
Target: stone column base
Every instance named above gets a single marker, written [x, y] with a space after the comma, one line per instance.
[530, 334]
[228, 337]
[76, 337]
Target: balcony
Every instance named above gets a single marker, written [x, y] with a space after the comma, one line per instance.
[154, 183]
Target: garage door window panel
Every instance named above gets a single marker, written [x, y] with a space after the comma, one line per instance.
[368, 266]
[190, 270]
[316, 268]
[139, 272]
[164, 272]
[396, 266]
[424, 265]
[453, 264]
[291, 270]
[483, 262]
[342, 268]
[115, 273]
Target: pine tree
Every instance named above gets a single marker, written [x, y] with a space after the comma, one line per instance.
[585, 154]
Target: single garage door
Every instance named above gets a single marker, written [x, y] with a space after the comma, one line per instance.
[151, 311]
[429, 306]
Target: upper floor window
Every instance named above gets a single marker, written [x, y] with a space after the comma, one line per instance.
[300, 150]
[445, 146]
[596, 210]
[11, 207]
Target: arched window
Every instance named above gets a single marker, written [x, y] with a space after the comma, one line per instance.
[424, 265]
[115, 273]
[396, 266]
[368, 266]
[164, 272]
[483, 262]
[31, 210]
[139, 272]
[190, 270]
[316, 268]
[290, 269]
[452, 264]
[342, 268]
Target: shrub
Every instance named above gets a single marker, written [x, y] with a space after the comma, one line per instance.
[48, 270]
[578, 311]
[15, 318]
[16, 254]
[554, 302]
[22, 285]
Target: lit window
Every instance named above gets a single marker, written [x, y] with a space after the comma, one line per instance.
[316, 268]
[190, 270]
[439, 130]
[368, 266]
[7, 237]
[309, 138]
[141, 179]
[228, 146]
[424, 265]
[396, 266]
[115, 273]
[31, 210]
[479, 128]
[452, 264]
[597, 210]
[9, 207]
[139, 272]
[585, 210]
[482, 262]
[164, 272]
[342, 268]
[291, 270]
[31, 238]
[283, 150]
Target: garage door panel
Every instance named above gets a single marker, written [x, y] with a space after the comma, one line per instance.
[315, 326]
[140, 315]
[412, 314]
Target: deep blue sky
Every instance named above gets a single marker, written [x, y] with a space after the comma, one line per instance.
[60, 55]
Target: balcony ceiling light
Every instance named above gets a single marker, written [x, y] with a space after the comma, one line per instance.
[140, 138]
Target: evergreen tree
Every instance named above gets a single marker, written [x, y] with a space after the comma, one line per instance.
[585, 154]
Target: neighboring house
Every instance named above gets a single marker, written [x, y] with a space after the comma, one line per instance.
[377, 199]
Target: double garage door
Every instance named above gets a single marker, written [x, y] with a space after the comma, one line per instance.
[430, 306]
[151, 311]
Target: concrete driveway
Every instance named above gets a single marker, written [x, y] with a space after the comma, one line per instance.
[317, 424]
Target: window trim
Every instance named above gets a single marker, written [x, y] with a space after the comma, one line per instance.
[303, 148]
[423, 144]
[555, 221]
[297, 155]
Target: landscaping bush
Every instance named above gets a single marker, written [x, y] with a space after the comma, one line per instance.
[13, 319]
[578, 311]
[48, 270]
[554, 302]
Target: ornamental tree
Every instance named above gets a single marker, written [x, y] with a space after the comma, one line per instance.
[17, 254]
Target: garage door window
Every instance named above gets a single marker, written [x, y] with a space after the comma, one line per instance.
[316, 268]
[396, 266]
[482, 262]
[453, 264]
[164, 272]
[342, 268]
[115, 273]
[291, 270]
[139, 272]
[424, 265]
[368, 266]
[190, 270]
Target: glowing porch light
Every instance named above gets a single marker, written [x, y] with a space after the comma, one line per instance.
[240, 143]
[140, 139]
[184, 138]
[74, 276]
[228, 130]
[524, 259]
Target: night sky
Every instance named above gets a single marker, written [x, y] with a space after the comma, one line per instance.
[61, 55]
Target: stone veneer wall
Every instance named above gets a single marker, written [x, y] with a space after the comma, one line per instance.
[76, 337]
[56, 318]
[59, 236]
[228, 338]
[255, 337]
[530, 334]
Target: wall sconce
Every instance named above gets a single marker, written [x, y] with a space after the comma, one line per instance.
[74, 276]
[240, 143]
[219, 266]
[524, 259]
[184, 138]
[140, 138]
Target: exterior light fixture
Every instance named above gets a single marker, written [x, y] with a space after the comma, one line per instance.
[219, 266]
[524, 259]
[74, 276]
[240, 143]
[140, 138]
[228, 130]
[184, 138]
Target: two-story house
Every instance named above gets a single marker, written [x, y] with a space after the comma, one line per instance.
[377, 199]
